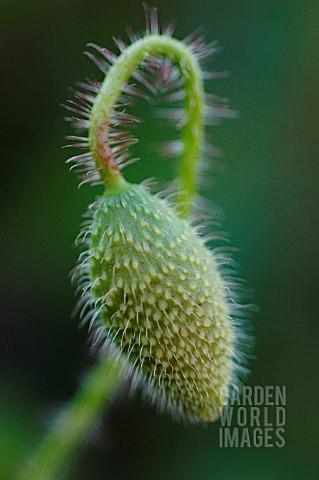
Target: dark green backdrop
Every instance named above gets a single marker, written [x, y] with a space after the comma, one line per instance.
[267, 191]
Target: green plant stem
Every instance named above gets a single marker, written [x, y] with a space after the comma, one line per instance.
[72, 425]
[70, 428]
[192, 132]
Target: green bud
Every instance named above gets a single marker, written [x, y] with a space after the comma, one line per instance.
[151, 287]
[162, 302]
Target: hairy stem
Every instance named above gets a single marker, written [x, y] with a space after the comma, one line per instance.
[72, 425]
[192, 133]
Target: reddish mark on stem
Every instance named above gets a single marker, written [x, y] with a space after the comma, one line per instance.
[104, 150]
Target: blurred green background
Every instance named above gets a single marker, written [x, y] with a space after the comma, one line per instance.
[267, 191]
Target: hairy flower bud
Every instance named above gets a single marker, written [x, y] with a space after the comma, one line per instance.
[161, 298]
[151, 288]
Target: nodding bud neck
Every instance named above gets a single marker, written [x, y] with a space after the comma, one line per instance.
[103, 119]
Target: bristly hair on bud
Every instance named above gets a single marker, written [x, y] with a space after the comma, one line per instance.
[151, 290]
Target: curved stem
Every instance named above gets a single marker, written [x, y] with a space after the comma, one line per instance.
[71, 426]
[75, 421]
[114, 82]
